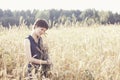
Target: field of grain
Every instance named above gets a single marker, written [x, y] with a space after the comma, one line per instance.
[77, 53]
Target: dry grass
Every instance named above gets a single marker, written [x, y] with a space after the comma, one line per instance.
[84, 53]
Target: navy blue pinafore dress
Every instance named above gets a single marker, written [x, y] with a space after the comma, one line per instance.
[34, 53]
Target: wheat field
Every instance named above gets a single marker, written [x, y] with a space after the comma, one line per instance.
[77, 53]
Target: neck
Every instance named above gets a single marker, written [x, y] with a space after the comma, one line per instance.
[35, 37]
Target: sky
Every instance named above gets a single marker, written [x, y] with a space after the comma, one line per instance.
[105, 5]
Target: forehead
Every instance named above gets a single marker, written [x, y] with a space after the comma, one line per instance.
[41, 28]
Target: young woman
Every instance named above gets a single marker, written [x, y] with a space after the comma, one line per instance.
[33, 48]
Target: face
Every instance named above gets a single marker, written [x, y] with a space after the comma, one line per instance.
[40, 30]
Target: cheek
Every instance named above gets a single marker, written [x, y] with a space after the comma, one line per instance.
[42, 32]
[38, 32]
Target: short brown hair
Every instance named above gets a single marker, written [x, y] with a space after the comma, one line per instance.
[41, 23]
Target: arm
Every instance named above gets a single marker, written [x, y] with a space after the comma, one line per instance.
[28, 54]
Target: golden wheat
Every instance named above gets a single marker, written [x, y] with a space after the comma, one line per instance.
[80, 53]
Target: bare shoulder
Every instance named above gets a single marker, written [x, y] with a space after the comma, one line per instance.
[26, 42]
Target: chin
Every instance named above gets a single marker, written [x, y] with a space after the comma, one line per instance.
[39, 36]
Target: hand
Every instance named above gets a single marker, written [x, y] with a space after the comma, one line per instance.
[49, 62]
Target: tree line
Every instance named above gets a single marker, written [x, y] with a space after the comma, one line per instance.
[56, 17]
